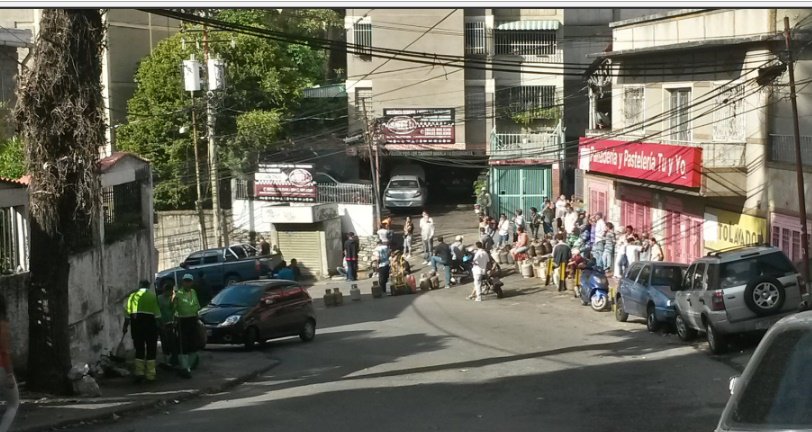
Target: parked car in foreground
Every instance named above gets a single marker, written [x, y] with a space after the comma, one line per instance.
[217, 268]
[738, 291]
[252, 312]
[405, 191]
[646, 290]
[773, 393]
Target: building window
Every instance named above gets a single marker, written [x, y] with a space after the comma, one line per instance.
[475, 103]
[633, 106]
[525, 42]
[680, 113]
[728, 117]
[362, 34]
[9, 240]
[363, 98]
[475, 40]
[540, 101]
[122, 210]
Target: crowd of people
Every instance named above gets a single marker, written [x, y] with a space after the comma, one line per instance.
[566, 221]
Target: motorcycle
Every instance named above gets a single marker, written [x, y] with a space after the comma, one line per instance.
[461, 269]
[594, 287]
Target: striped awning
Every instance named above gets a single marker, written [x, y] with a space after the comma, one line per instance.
[528, 25]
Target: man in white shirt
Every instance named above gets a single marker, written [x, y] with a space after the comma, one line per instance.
[478, 270]
[426, 235]
[561, 206]
[570, 220]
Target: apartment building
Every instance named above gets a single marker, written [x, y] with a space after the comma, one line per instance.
[685, 143]
[509, 109]
[131, 35]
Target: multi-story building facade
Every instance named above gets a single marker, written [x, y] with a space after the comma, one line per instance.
[131, 35]
[507, 108]
[679, 146]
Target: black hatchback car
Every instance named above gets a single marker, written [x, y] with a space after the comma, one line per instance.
[252, 312]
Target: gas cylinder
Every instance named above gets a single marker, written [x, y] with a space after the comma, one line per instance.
[527, 269]
[531, 250]
[376, 290]
[505, 258]
[355, 293]
[509, 259]
[339, 298]
[329, 299]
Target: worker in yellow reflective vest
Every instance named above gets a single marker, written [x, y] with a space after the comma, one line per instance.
[186, 306]
[143, 314]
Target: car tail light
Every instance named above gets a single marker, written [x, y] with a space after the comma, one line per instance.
[717, 301]
[802, 284]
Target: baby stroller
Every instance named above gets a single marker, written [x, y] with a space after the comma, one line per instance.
[491, 280]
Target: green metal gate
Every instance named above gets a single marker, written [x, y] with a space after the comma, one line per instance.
[519, 188]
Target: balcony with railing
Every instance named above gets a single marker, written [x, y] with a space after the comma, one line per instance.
[542, 145]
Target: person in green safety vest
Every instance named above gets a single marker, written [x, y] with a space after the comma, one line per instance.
[185, 306]
[169, 338]
[143, 313]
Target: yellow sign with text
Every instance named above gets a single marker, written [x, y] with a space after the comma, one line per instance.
[727, 230]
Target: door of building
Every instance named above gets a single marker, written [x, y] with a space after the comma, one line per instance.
[598, 199]
[637, 214]
[305, 246]
[683, 237]
[520, 188]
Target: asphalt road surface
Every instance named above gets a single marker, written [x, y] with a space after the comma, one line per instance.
[536, 360]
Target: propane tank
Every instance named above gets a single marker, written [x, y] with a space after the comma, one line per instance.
[531, 250]
[355, 293]
[329, 300]
[338, 296]
[527, 269]
[376, 290]
[425, 283]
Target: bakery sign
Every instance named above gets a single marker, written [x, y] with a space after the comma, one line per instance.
[418, 126]
[660, 163]
[285, 183]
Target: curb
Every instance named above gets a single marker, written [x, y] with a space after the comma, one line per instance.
[154, 403]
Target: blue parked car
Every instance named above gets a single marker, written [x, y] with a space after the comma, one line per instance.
[645, 291]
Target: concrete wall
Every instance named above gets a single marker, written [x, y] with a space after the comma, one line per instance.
[99, 282]
[14, 289]
[177, 234]
[357, 218]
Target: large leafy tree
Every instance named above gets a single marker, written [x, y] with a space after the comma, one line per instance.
[265, 79]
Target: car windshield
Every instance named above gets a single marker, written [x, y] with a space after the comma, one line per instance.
[741, 272]
[778, 395]
[403, 184]
[238, 295]
[667, 276]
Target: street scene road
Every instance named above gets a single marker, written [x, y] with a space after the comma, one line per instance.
[534, 360]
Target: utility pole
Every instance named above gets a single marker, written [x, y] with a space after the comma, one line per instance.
[374, 167]
[204, 241]
[219, 227]
[799, 166]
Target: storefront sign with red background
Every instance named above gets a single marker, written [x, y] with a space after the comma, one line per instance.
[285, 182]
[418, 126]
[661, 163]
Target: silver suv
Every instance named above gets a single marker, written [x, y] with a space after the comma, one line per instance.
[738, 291]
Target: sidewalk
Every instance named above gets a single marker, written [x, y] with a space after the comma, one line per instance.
[220, 369]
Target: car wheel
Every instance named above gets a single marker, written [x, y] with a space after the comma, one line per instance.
[765, 295]
[620, 313]
[716, 342]
[684, 332]
[308, 331]
[251, 338]
[651, 319]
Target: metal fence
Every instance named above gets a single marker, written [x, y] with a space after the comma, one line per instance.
[538, 145]
[782, 149]
[9, 255]
[476, 41]
[345, 193]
